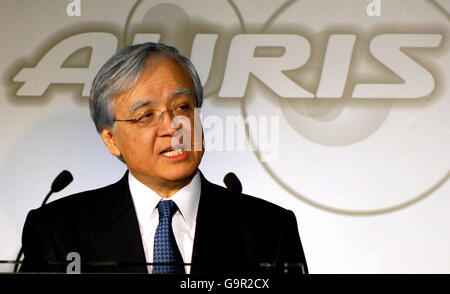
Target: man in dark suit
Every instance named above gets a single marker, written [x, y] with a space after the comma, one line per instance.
[163, 210]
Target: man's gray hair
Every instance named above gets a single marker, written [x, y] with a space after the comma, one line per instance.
[122, 71]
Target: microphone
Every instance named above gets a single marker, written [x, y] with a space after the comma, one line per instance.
[232, 182]
[60, 182]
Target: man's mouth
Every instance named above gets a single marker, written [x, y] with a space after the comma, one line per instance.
[173, 153]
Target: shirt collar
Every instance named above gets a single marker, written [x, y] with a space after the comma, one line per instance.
[145, 199]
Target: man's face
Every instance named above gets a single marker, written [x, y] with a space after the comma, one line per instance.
[163, 84]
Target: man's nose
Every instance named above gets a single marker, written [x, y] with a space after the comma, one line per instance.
[165, 127]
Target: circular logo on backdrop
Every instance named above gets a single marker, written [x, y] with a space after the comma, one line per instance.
[374, 136]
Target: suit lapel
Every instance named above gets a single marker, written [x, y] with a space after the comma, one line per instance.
[217, 240]
[119, 238]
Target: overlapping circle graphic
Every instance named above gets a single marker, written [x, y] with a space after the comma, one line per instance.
[345, 155]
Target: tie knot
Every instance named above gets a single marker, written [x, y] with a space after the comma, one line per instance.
[166, 209]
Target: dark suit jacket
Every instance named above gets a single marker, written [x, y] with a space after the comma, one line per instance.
[234, 233]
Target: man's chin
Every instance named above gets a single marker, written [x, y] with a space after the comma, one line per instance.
[178, 174]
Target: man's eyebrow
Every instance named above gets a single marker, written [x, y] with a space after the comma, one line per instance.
[179, 91]
[139, 104]
[146, 102]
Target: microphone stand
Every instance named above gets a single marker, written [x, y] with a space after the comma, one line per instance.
[59, 183]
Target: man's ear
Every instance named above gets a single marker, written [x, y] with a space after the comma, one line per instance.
[110, 142]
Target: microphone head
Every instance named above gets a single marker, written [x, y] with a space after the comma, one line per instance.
[232, 182]
[61, 181]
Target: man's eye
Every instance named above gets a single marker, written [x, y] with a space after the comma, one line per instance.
[146, 116]
[184, 107]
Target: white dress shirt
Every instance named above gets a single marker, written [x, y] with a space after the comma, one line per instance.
[183, 222]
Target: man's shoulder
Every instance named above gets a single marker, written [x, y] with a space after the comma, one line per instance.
[256, 217]
[81, 203]
[249, 204]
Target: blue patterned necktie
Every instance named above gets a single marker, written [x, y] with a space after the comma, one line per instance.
[165, 249]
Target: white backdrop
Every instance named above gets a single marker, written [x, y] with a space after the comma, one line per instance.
[358, 92]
